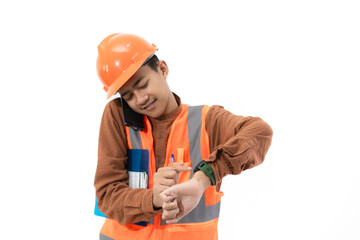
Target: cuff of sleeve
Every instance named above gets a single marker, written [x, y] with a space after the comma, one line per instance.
[147, 206]
[220, 168]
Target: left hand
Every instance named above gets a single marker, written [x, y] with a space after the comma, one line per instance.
[181, 199]
[164, 178]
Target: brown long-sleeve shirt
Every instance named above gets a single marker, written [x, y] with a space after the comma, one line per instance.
[237, 143]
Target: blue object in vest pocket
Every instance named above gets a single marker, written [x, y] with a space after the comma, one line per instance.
[138, 160]
[138, 171]
[138, 164]
[138, 168]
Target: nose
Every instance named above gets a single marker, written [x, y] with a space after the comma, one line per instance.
[141, 98]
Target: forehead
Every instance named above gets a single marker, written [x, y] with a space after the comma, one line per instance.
[140, 74]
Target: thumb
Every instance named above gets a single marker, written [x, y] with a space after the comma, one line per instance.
[168, 195]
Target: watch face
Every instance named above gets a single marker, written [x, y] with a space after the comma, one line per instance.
[198, 166]
[201, 164]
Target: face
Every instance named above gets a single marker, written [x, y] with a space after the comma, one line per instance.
[148, 93]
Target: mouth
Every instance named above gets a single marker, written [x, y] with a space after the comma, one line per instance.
[150, 106]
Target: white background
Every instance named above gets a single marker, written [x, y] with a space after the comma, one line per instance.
[293, 63]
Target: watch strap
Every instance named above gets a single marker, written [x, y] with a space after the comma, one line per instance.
[207, 169]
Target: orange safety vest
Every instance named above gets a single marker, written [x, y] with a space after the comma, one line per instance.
[189, 142]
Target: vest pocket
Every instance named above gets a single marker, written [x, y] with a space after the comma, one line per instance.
[212, 196]
[198, 231]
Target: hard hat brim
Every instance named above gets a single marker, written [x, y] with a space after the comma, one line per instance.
[127, 74]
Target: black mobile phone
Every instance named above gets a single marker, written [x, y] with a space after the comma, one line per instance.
[132, 118]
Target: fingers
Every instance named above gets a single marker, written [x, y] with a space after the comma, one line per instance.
[170, 210]
[167, 182]
[167, 196]
[174, 220]
[168, 176]
[172, 213]
[175, 167]
[164, 178]
[181, 168]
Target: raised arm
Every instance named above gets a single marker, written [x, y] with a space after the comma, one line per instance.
[237, 143]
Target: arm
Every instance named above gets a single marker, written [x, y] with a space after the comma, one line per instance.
[115, 198]
[237, 143]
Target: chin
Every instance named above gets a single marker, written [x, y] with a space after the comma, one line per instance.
[155, 114]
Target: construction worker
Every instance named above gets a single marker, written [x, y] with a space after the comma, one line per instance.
[161, 162]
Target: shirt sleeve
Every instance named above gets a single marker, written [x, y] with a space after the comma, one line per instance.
[115, 198]
[236, 143]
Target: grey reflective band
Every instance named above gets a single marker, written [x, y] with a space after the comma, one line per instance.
[136, 143]
[200, 213]
[135, 138]
[103, 237]
[194, 133]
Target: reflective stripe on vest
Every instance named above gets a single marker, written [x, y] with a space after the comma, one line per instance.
[135, 139]
[103, 237]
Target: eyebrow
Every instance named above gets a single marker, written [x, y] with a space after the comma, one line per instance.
[133, 86]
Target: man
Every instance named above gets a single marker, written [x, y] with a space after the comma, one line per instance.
[161, 162]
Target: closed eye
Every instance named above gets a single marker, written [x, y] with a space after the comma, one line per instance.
[128, 98]
[144, 86]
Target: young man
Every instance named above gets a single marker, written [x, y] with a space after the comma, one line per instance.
[161, 162]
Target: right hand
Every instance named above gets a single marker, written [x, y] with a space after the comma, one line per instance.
[164, 178]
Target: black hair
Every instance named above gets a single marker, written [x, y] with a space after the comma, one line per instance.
[152, 62]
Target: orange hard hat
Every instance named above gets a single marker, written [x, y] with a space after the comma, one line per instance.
[120, 56]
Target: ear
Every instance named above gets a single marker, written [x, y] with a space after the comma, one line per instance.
[163, 68]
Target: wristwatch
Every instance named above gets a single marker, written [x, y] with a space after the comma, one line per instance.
[203, 166]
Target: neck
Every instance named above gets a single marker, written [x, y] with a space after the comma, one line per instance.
[172, 104]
